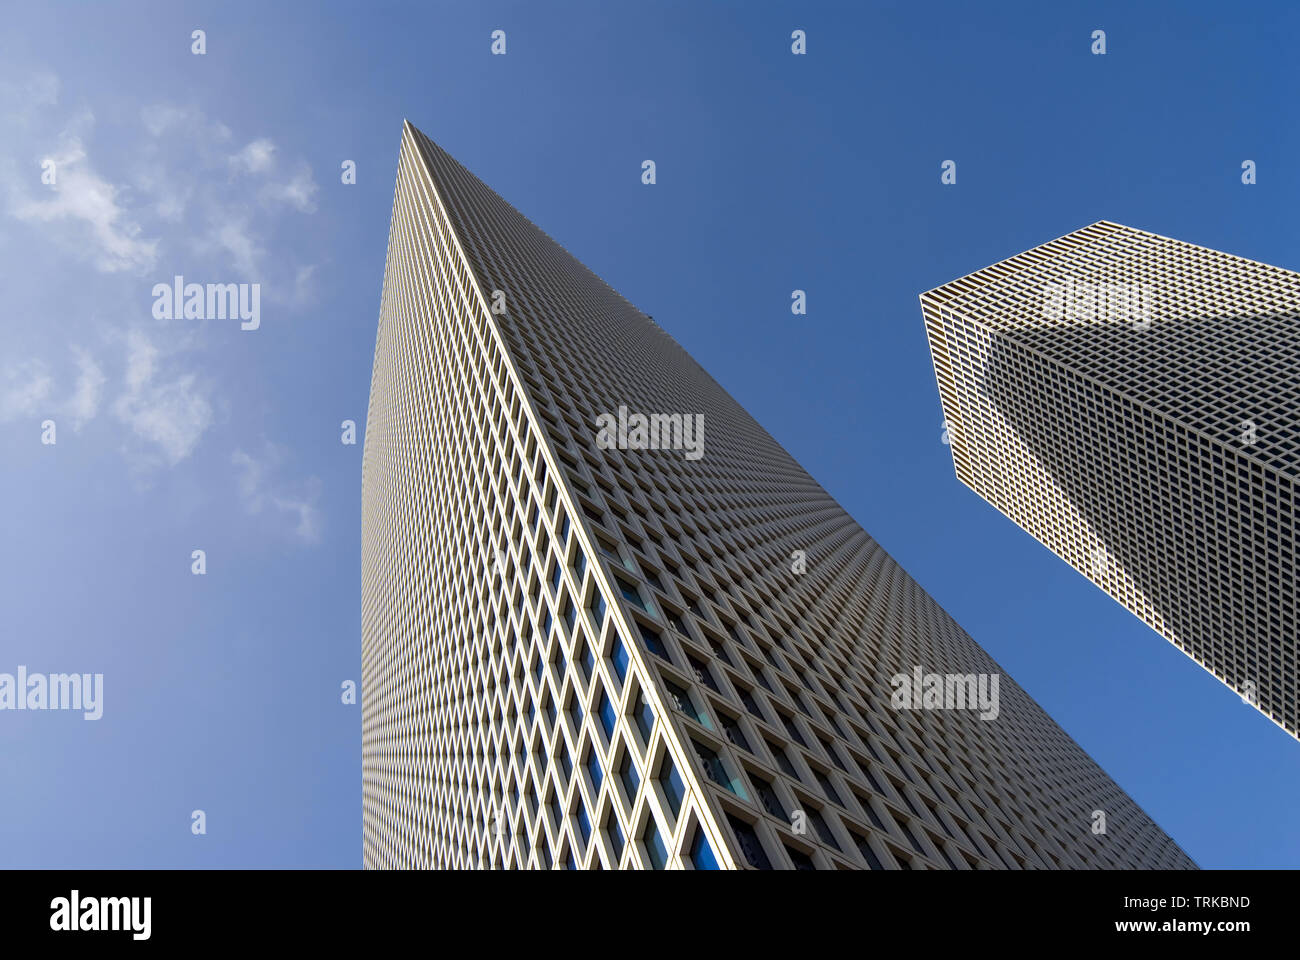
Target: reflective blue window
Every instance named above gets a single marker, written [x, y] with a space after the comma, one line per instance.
[619, 658]
[702, 857]
[607, 715]
[594, 771]
[628, 775]
[615, 836]
[645, 719]
[673, 789]
[654, 846]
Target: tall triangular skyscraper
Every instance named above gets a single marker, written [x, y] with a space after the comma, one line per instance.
[607, 621]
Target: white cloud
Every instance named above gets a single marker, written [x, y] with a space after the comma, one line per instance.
[260, 487]
[298, 192]
[304, 285]
[173, 414]
[257, 157]
[163, 118]
[84, 402]
[24, 389]
[237, 240]
[90, 204]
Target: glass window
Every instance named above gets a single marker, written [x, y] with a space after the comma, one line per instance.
[608, 717]
[823, 828]
[615, 836]
[628, 775]
[594, 771]
[767, 794]
[683, 701]
[633, 596]
[716, 771]
[653, 642]
[800, 859]
[618, 656]
[702, 857]
[654, 846]
[671, 782]
[645, 718]
[751, 848]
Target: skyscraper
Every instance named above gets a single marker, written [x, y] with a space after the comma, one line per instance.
[1130, 401]
[607, 621]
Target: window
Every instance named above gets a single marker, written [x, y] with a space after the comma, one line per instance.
[645, 718]
[628, 776]
[827, 787]
[608, 718]
[632, 595]
[570, 615]
[618, 656]
[822, 828]
[701, 853]
[716, 771]
[594, 772]
[684, 703]
[783, 760]
[671, 782]
[584, 823]
[597, 608]
[702, 674]
[731, 727]
[654, 846]
[800, 859]
[747, 698]
[615, 836]
[767, 795]
[868, 854]
[653, 642]
[751, 848]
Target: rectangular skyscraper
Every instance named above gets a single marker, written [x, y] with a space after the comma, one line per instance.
[1131, 401]
[583, 648]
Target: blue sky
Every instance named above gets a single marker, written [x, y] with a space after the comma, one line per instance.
[775, 172]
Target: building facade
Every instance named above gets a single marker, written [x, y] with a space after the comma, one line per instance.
[608, 622]
[1129, 400]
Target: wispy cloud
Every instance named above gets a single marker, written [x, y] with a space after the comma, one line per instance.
[257, 157]
[170, 414]
[88, 206]
[83, 405]
[261, 489]
[24, 389]
[299, 191]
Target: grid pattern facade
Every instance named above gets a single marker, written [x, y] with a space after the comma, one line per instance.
[593, 658]
[1155, 450]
